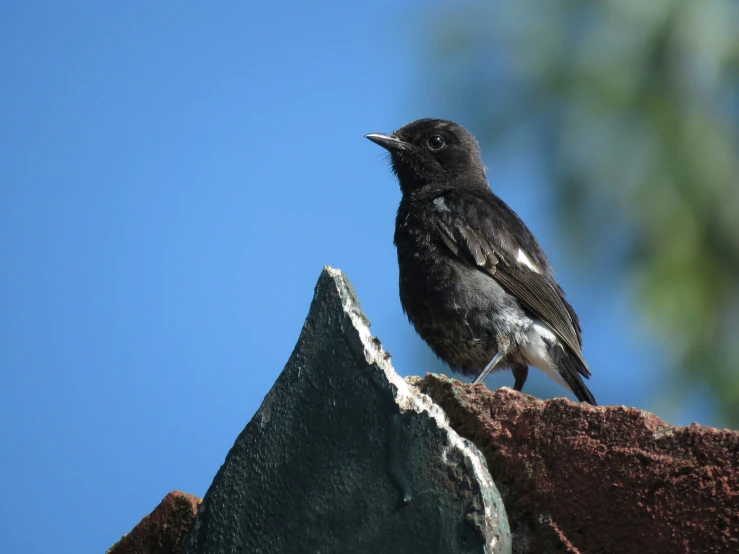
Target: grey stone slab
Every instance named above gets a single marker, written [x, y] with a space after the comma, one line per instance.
[345, 456]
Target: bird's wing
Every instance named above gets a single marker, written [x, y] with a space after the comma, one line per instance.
[467, 227]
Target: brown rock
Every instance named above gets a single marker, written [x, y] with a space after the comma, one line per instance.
[575, 478]
[162, 531]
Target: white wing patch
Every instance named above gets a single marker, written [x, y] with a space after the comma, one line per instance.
[536, 351]
[524, 259]
[440, 204]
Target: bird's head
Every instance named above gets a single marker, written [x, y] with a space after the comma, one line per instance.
[431, 152]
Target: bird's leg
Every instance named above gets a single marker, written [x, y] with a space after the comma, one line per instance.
[503, 344]
[520, 372]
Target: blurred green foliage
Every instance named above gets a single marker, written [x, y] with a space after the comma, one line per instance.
[635, 104]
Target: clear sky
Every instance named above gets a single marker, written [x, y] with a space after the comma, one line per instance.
[173, 177]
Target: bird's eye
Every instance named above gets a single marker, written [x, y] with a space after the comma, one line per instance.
[435, 142]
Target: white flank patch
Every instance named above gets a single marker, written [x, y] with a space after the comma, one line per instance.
[544, 331]
[537, 354]
[524, 259]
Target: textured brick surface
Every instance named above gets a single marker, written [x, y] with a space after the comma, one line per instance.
[575, 478]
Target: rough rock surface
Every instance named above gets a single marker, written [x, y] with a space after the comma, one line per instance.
[575, 478]
[162, 531]
[344, 456]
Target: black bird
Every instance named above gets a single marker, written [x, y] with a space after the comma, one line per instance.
[473, 280]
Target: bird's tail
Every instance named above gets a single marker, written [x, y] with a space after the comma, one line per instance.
[572, 368]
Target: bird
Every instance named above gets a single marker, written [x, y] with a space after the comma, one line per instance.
[473, 280]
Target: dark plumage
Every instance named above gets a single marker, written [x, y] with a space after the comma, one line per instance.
[473, 280]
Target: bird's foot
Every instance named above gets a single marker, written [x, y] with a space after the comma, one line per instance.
[521, 373]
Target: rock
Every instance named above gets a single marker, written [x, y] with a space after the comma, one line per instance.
[344, 456]
[575, 478]
[162, 531]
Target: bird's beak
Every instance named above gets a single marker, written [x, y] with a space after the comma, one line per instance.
[388, 142]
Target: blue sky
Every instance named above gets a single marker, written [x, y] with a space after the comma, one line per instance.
[173, 177]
